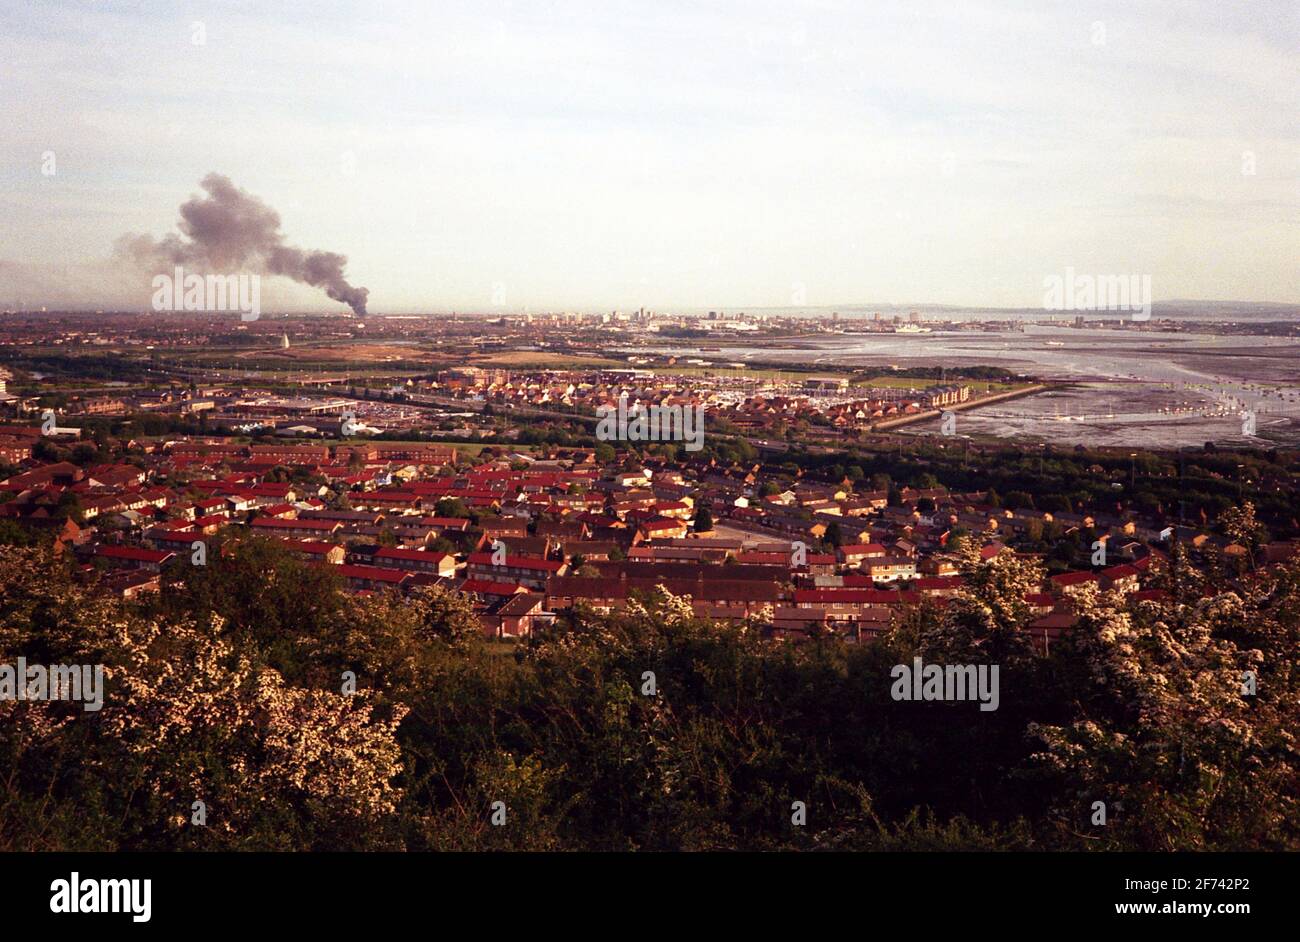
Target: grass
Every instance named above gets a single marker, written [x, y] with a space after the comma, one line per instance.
[741, 373]
[977, 386]
[474, 448]
[524, 359]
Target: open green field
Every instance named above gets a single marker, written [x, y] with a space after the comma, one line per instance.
[538, 359]
[474, 449]
[978, 386]
[764, 373]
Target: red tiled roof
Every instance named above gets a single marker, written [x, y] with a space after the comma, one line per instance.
[315, 547]
[372, 573]
[858, 596]
[1074, 578]
[134, 553]
[862, 549]
[518, 562]
[388, 552]
[488, 587]
[279, 523]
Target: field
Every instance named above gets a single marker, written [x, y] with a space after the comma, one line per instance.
[977, 386]
[473, 448]
[344, 353]
[523, 359]
[739, 372]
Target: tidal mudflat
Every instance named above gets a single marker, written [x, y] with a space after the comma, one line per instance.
[1129, 387]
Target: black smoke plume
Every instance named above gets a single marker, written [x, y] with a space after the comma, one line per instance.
[230, 229]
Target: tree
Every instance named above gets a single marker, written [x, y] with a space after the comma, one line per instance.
[279, 766]
[1019, 500]
[68, 507]
[703, 520]
[984, 622]
[1163, 729]
[1240, 526]
[261, 592]
[1054, 503]
[451, 507]
[834, 534]
[14, 534]
[447, 615]
[84, 453]
[384, 721]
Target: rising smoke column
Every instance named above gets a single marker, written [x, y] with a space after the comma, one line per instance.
[230, 229]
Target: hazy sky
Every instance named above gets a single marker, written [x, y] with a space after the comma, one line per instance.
[486, 155]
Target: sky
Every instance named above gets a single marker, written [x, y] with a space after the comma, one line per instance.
[487, 155]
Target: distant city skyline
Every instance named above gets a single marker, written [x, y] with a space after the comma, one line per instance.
[567, 156]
